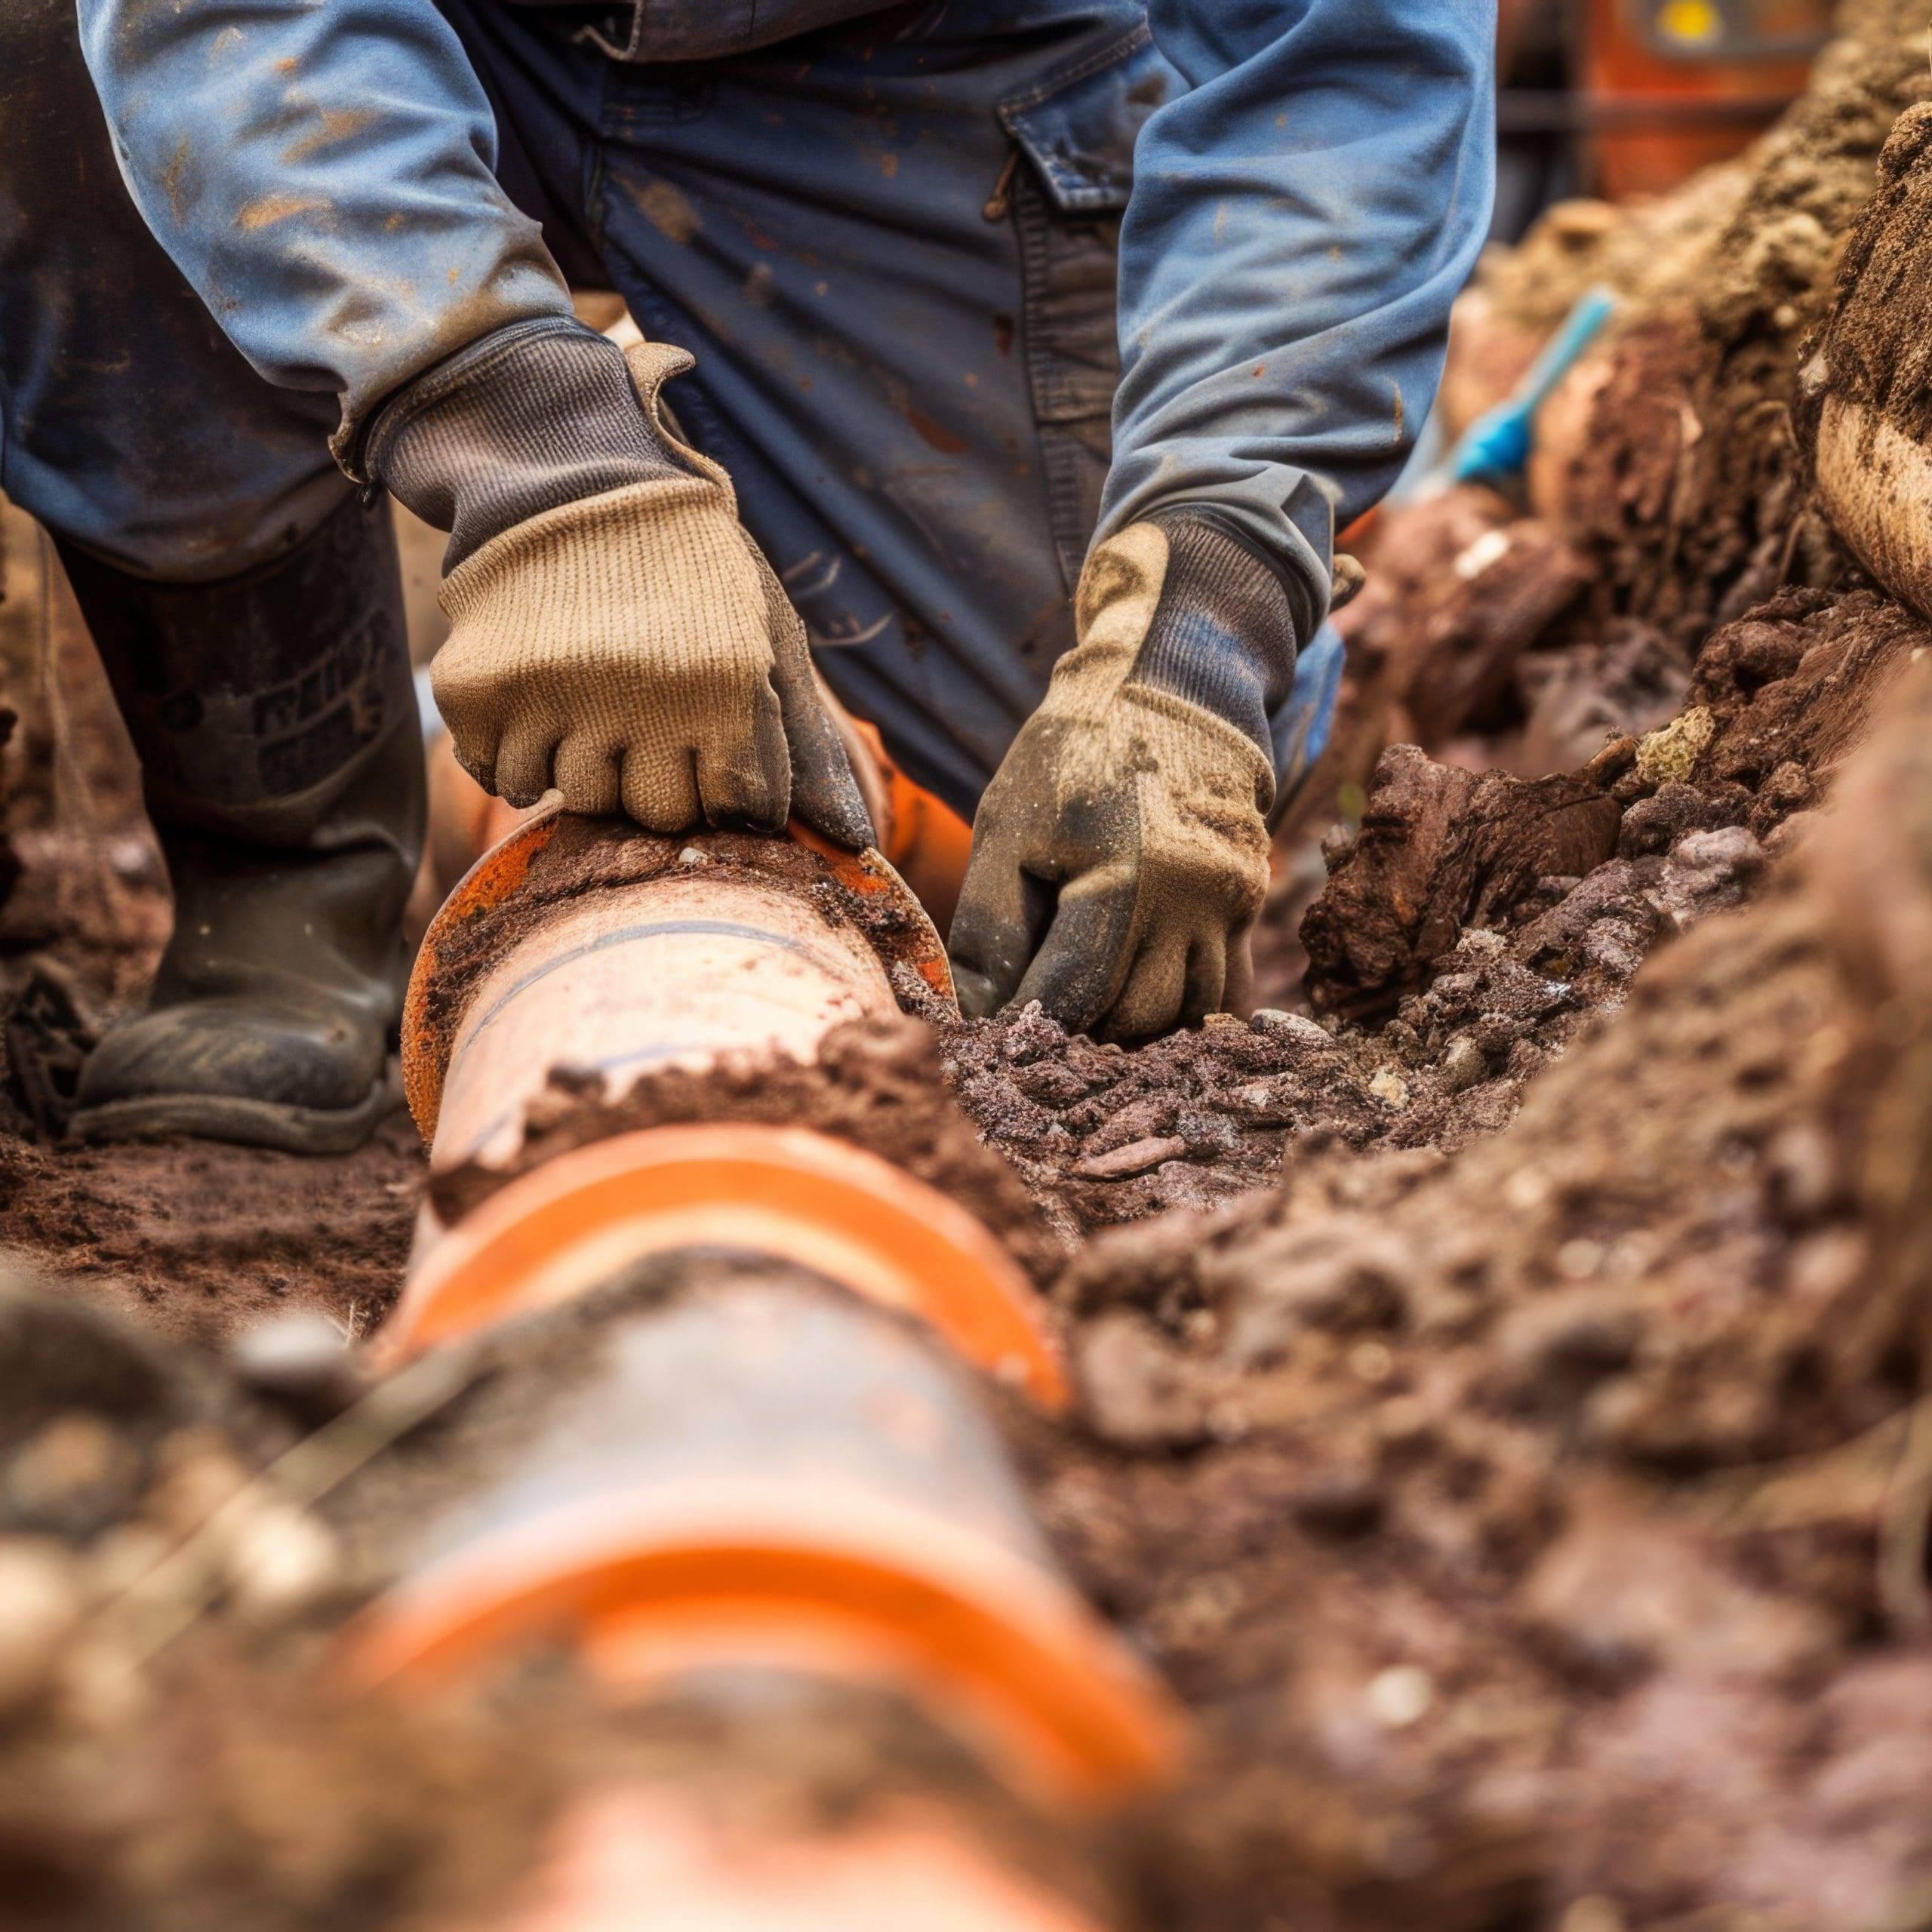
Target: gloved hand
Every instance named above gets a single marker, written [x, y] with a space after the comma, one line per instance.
[1120, 855]
[614, 631]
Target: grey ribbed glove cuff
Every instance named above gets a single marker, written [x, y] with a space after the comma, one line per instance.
[1224, 634]
[531, 416]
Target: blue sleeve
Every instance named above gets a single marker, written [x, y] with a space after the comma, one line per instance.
[321, 171]
[1302, 218]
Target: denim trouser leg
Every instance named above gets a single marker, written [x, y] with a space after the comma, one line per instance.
[128, 424]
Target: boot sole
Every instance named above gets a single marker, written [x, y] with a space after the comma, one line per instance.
[273, 1124]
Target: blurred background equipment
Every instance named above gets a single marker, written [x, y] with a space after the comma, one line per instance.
[1623, 97]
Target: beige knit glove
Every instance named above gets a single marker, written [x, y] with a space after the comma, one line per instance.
[1120, 855]
[635, 650]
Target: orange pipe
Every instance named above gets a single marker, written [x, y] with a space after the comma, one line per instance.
[595, 946]
[763, 1472]
[558, 1231]
[924, 839]
[643, 1859]
[771, 1474]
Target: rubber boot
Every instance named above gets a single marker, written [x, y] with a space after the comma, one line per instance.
[282, 757]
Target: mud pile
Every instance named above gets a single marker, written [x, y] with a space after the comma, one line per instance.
[1549, 1524]
[1666, 496]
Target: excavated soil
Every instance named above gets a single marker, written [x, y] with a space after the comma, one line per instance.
[1548, 1525]
[1880, 339]
[1497, 1393]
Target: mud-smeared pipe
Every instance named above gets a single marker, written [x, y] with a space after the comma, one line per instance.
[755, 1467]
[772, 1458]
[617, 1849]
[578, 943]
[594, 947]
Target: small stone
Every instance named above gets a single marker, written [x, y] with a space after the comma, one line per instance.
[1668, 754]
[301, 1358]
[1389, 1087]
[1137, 1157]
[1594, 1913]
[1464, 1065]
[1337, 842]
[282, 1559]
[1373, 1361]
[1490, 548]
[692, 856]
[73, 1476]
[1399, 1695]
[1277, 1025]
[1527, 1189]
[1206, 1137]
[1578, 1261]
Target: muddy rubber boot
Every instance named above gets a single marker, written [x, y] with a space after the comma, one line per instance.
[282, 762]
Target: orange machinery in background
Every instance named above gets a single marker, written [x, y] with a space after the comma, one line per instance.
[1622, 98]
[1673, 85]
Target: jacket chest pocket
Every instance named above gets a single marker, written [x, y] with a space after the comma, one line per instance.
[1065, 189]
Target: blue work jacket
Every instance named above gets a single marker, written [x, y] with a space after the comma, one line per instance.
[1305, 202]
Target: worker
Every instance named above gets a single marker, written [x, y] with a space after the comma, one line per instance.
[1008, 366]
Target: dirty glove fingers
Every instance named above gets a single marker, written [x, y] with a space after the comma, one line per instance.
[475, 728]
[1078, 972]
[586, 772]
[1204, 984]
[1238, 994]
[825, 795]
[1153, 990]
[658, 789]
[744, 781]
[524, 757]
[1001, 915]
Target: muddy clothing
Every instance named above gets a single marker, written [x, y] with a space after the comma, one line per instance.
[893, 245]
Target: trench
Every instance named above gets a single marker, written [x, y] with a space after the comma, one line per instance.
[1447, 1449]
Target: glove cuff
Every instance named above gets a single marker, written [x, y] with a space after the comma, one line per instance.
[1223, 635]
[531, 416]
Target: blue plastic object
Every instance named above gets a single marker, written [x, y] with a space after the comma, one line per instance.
[1495, 447]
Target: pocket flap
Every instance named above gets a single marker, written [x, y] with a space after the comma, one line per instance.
[1078, 126]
